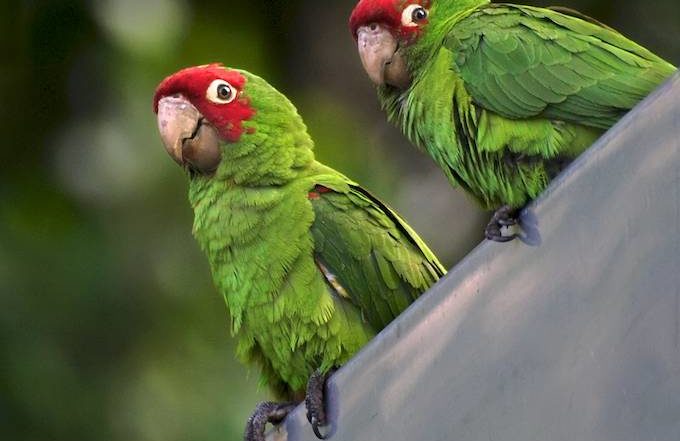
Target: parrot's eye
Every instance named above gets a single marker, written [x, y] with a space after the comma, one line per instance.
[220, 92]
[413, 15]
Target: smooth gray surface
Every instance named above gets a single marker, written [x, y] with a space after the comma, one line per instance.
[573, 335]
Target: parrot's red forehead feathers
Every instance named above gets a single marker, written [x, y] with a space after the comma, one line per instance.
[387, 12]
[375, 11]
[193, 84]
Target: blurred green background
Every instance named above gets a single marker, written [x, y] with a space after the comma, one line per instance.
[110, 328]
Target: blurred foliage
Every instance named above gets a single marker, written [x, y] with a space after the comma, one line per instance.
[110, 327]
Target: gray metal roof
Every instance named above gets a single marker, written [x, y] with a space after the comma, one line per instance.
[573, 334]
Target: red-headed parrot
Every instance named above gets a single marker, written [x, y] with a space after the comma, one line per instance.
[501, 96]
[311, 265]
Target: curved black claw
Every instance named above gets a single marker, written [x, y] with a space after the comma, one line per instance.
[503, 217]
[265, 412]
[314, 400]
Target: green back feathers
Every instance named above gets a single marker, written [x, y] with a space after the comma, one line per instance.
[522, 62]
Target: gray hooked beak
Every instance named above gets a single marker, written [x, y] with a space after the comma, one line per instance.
[379, 54]
[188, 138]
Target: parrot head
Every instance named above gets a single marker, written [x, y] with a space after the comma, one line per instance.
[381, 28]
[199, 109]
[230, 124]
[385, 29]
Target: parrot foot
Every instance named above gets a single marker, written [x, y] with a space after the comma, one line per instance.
[503, 217]
[314, 400]
[266, 412]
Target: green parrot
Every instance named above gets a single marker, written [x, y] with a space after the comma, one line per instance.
[501, 96]
[311, 265]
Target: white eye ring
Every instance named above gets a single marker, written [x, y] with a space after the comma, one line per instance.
[221, 92]
[413, 15]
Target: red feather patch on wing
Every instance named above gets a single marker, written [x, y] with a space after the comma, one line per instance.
[318, 191]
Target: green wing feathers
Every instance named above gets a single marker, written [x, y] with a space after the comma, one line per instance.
[380, 264]
[524, 62]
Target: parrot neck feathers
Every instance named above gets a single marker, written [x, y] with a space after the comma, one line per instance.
[275, 146]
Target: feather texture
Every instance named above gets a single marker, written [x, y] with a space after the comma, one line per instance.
[502, 96]
[311, 265]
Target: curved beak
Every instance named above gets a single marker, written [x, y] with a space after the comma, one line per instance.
[188, 138]
[379, 53]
